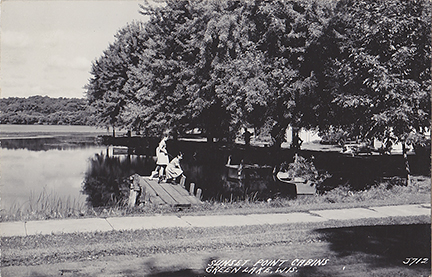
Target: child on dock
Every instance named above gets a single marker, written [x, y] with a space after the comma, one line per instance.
[174, 170]
[162, 160]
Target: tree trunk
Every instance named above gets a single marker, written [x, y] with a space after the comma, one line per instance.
[295, 144]
[175, 135]
[277, 143]
[210, 138]
[277, 136]
[247, 137]
[407, 167]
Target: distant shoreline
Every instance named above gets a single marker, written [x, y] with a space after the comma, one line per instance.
[8, 131]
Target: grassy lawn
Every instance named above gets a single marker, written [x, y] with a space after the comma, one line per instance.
[369, 246]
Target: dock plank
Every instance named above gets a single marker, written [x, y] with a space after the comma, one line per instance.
[151, 194]
[168, 199]
[168, 194]
[182, 191]
[180, 199]
[192, 199]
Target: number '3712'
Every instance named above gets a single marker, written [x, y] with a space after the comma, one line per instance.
[413, 261]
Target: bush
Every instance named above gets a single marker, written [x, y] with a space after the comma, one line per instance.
[333, 137]
[303, 168]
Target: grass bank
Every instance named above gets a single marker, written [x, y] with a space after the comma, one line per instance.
[48, 249]
[47, 206]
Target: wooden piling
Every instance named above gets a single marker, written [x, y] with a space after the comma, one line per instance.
[192, 189]
[132, 198]
[199, 193]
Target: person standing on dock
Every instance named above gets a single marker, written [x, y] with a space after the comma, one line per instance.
[162, 160]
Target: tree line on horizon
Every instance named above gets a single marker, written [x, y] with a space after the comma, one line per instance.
[359, 66]
[45, 110]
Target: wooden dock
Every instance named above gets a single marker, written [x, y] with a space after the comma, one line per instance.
[166, 194]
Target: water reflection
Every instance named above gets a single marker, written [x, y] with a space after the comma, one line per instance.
[106, 181]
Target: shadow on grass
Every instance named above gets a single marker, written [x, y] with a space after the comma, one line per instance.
[191, 273]
[375, 248]
[201, 273]
[383, 245]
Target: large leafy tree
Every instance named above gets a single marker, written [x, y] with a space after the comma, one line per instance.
[219, 65]
[261, 73]
[291, 28]
[163, 73]
[215, 65]
[379, 77]
[166, 83]
[188, 43]
[271, 79]
[109, 90]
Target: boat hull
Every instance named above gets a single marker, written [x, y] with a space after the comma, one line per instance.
[302, 187]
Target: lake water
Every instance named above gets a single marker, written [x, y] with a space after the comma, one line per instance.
[41, 158]
[67, 162]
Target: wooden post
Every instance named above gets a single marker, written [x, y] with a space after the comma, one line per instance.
[132, 198]
[192, 188]
[142, 197]
[135, 189]
[199, 193]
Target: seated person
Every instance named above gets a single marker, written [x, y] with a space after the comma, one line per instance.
[174, 170]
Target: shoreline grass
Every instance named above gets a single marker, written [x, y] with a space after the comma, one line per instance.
[50, 206]
[44, 206]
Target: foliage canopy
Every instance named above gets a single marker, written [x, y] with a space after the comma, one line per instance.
[361, 66]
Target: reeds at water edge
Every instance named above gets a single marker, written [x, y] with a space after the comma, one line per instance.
[45, 205]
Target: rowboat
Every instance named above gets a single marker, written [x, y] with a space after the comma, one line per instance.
[302, 186]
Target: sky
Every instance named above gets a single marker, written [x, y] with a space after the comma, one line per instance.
[47, 47]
